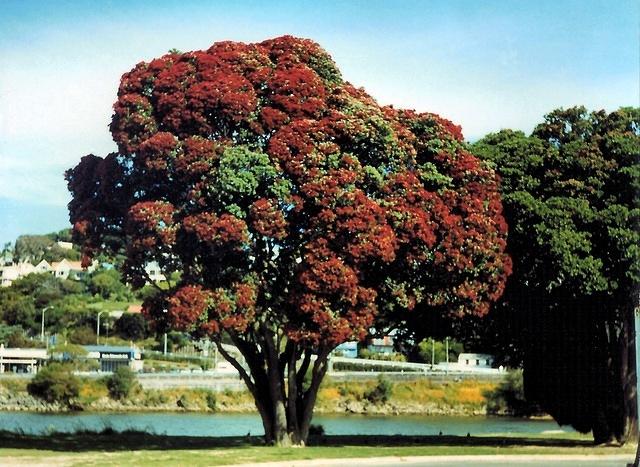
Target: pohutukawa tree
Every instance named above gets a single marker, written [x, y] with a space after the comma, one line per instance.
[296, 212]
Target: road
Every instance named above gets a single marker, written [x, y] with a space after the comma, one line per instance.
[448, 461]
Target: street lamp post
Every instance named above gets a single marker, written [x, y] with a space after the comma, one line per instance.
[433, 352]
[165, 344]
[42, 327]
[446, 343]
[98, 329]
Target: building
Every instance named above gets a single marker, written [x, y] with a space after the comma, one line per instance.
[19, 360]
[111, 357]
[65, 245]
[135, 309]
[64, 269]
[475, 360]
[8, 274]
[154, 272]
[347, 349]
[42, 267]
[67, 269]
[383, 345]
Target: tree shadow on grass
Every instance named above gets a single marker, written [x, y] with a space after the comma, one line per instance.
[112, 441]
[449, 440]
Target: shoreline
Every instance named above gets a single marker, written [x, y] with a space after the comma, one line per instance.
[417, 397]
[385, 410]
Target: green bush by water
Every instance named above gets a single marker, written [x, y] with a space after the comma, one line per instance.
[55, 383]
[508, 398]
[121, 383]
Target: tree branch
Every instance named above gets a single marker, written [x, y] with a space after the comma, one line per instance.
[236, 364]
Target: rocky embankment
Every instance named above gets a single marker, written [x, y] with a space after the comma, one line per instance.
[350, 399]
[395, 408]
[25, 402]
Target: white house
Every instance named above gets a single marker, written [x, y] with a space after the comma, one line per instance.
[153, 271]
[66, 269]
[65, 245]
[475, 360]
[42, 266]
[8, 274]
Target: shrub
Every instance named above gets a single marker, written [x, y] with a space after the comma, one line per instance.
[154, 398]
[55, 383]
[211, 400]
[508, 398]
[121, 382]
[82, 336]
[380, 393]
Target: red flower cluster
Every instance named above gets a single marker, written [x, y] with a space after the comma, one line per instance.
[267, 219]
[226, 230]
[151, 223]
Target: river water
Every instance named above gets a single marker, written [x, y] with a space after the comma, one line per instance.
[194, 424]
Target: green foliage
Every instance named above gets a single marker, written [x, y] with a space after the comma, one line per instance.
[70, 351]
[108, 285]
[370, 355]
[55, 383]
[423, 353]
[7, 331]
[75, 356]
[381, 392]
[508, 398]
[18, 339]
[57, 253]
[17, 309]
[121, 383]
[82, 335]
[211, 400]
[146, 292]
[175, 340]
[43, 289]
[132, 326]
[31, 248]
[570, 194]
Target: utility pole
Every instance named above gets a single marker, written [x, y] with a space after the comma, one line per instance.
[165, 344]
[98, 328]
[446, 346]
[433, 352]
[42, 327]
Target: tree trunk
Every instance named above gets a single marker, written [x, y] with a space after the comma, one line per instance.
[286, 414]
[628, 381]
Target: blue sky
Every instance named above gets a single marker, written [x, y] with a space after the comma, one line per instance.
[486, 65]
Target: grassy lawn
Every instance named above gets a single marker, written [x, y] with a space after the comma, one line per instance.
[142, 449]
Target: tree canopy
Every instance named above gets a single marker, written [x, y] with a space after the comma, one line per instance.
[570, 192]
[296, 210]
[34, 248]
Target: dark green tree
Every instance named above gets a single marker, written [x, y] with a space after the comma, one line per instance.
[17, 310]
[132, 326]
[570, 192]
